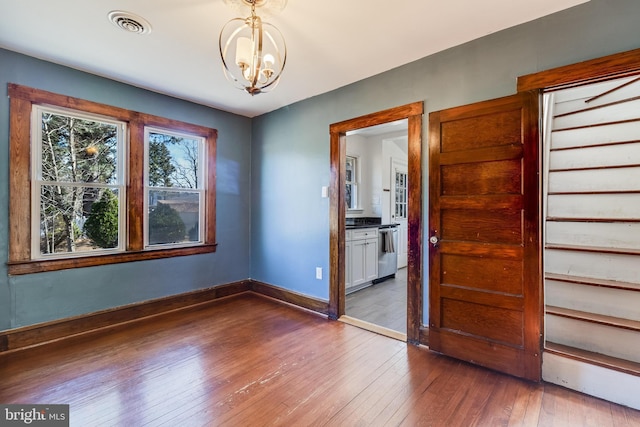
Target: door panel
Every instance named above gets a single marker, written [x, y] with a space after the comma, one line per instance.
[484, 285]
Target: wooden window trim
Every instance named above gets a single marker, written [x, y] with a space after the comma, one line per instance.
[22, 99]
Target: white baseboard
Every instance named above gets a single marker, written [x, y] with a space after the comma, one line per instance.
[593, 380]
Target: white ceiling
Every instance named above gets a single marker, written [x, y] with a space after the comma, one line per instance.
[331, 43]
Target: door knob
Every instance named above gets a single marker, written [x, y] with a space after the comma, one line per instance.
[434, 240]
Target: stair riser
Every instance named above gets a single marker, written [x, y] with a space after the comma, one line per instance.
[611, 341]
[623, 268]
[593, 299]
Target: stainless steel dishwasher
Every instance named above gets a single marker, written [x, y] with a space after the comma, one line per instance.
[387, 252]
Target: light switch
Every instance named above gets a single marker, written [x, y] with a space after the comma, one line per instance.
[325, 191]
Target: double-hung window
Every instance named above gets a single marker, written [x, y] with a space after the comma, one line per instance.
[78, 183]
[174, 190]
[92, 184]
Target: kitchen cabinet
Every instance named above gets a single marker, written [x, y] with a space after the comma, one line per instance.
[361, 253]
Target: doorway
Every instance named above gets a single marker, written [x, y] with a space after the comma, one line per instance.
[376, 227]
[338, 210]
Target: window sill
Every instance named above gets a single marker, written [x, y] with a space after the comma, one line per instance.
[40, 266]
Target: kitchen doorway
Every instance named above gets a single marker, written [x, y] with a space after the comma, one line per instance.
[340, 189]
[376, 227]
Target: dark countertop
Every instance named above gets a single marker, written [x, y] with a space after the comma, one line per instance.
[355, 227]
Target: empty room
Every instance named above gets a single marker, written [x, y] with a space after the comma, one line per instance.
[284, 212]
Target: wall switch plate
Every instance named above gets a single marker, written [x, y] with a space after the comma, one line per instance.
[325, 191]
[319, 273]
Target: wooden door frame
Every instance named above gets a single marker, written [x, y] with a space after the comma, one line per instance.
[337, 211]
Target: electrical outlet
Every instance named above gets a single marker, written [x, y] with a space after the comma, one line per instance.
[319, 273]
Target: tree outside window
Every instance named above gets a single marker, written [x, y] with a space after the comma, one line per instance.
[175, 193]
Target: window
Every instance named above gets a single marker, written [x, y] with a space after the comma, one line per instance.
[401, 192]
[78, 183]
[174, 193]
[351, 192]
[92, 184]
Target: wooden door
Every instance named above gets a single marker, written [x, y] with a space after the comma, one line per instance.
[484, 278]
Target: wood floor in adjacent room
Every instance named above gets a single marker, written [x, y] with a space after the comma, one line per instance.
[250, 361]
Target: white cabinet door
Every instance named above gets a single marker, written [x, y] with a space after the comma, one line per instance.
[358, 262]
[348, 281]
[371, 259]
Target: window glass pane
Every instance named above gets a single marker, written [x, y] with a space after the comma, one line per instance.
[78, 219]
[174, 161]
[174, 217]
[78, 150]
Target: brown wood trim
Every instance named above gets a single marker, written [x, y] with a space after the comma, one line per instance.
[37, 266]
[415, 230]
[532, 236]
[28, 336]
[594, 249]
[210, 196]
[587, 281]
[337, 212]
[424, 336]
[413, 112]
[620, 365]
[22, 99]
[291, 297]
[385, 116]
[135, 189]
[38, 96]
[614, 322]
[607, 67]
[19, 180]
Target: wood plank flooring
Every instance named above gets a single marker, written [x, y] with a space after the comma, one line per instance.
[383, 304]
[251, 361]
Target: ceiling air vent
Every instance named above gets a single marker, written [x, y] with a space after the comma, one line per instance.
[129, 22]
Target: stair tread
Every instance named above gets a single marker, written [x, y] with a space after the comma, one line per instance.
[598, 249]
[614, 284]
[598, 359]
[601, 319]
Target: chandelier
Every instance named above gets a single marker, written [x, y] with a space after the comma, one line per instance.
[253, 52]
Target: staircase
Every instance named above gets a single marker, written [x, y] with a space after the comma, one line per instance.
[592, 226]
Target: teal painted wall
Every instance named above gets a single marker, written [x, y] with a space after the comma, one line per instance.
[34, 298]
[290, 231]
[272, 223]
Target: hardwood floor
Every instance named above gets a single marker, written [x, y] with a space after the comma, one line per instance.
[383, 304]
[251, 361]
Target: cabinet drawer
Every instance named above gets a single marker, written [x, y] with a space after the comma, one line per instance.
[364, 233]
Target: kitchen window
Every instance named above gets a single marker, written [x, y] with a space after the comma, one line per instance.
[351, 175]
[92, 184]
